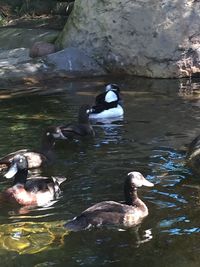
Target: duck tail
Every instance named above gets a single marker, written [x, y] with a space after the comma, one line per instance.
[59, 179]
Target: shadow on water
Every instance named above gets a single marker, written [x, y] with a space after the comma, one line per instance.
[161, 117]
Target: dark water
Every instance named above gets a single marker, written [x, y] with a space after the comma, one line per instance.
[160, 118]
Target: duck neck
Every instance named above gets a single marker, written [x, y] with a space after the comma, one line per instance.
[47, 144]
[83, 117]
[20, 177]
[130, 195]
[131, 198]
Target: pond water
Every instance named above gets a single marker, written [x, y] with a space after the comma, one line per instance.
[160, 119]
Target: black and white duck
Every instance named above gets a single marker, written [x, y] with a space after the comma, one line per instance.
[108, 104]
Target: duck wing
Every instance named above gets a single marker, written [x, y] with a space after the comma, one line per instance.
[43, 184]
[35, 159]
[108, 206]
[103, 213]
[37, 184]
[72, 130]
[9, 157]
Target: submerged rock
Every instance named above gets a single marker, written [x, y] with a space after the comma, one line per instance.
[146, 38]
[193, 155]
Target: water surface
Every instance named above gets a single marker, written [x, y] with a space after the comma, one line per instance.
[160, 119]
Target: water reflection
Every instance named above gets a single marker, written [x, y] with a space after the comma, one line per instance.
[31, 237]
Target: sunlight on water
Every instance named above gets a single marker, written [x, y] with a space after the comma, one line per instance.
[30, 237]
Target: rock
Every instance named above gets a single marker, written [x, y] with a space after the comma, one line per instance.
[40, 49]
[11, 37]
[193, 155]
[146, 38]
[15, 64]
[13, 57]
[73, 60]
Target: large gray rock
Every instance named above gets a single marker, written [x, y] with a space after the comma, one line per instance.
[142, 37]
[70, 62]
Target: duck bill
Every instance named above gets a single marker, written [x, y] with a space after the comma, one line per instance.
[147, 183]
[11, 172]
[59, 136]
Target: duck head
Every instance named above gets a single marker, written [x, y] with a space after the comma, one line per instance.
[18, 164]
[132, 182]
[112, 86]
[84, 112]
[136, 179]
[54, 132]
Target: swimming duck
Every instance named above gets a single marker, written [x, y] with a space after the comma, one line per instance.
[80, 129]
[36, 158]
[113, 213]
[107, 104]
[37, 191]
[193, 155]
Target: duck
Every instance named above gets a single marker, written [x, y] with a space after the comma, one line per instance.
[128, 214]
[36, 158]
[80, 129]
[107, 104]
[36, 191]
[193, 155]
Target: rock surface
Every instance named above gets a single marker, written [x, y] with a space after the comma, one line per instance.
[13, 56]
[40, 49]
[16, 64]
[11, 38]
[74, 60]
[147, 38]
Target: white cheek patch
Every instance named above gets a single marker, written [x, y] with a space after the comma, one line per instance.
[110, 97]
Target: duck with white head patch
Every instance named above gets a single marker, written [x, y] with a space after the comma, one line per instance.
[108, 104]
[113, 213]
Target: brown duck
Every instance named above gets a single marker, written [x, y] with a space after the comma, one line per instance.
[113, 213]
[36, 158]
[80, 129]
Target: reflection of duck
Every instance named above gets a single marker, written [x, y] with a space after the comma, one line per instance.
[32, 192]
[193, 155]
[80, 129]
[113, 213]
[36, 158]
[107, 104]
